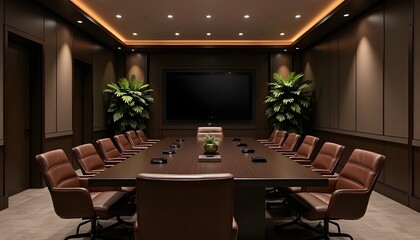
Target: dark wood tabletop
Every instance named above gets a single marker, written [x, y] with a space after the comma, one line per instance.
[277, 171]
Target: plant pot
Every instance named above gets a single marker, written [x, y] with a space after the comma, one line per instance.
[210, 148]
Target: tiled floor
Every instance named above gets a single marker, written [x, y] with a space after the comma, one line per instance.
[31, 216]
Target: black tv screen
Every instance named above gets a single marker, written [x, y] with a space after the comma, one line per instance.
[211, 96]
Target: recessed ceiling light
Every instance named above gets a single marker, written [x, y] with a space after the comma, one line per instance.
[118, 16]
[297, 48]
[132, 49]
[281, 34]
[208, 34]
[241, 34]
[135, 34]
[176, 34]
[346, 15]
[119, 48]
[208, 16]
[285, 50]
[79, 21]
[297, 16]
[246, 16]
[170, 16]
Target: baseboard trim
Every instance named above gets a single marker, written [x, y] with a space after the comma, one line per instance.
[4, 202]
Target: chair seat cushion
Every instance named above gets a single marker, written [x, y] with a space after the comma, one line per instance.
[313, 205]
[102, 202]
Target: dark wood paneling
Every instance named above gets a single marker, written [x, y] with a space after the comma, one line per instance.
[416, 71]
[25, 15]
[321, 82]
[334, 83]
[395, 69]
[369, 86]
[347, 77]
[3, 199]
[396, 170]
[82, 47]
[199, 60]
[416, 171]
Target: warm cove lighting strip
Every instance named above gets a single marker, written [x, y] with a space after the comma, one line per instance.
[91, 13]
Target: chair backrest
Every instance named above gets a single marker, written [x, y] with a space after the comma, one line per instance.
[215, 131]
[193, 206]
[122, 143]
[307, 146]
[88, 159]
[290, 143]
[272, 136]
[133, 138]
[328, 157]
[279, 137]
[141, 135]
[360, 174]
[108, 149]
[57, 170]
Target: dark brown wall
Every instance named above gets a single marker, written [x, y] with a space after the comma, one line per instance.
[361, 84]
[260, 62]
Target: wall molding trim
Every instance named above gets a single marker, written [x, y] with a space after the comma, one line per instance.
[366, 135]
[58, 134]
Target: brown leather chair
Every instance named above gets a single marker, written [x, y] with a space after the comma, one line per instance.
[89, 160]
[270, 138]
[305, 150]
[135, 141]
[124, 145]
[144, 138]
[325, 163]
[188, 207]
[289, 145]
[278, 139]
[346, 197]
[71, 196]
[215, 131]
[110, 152]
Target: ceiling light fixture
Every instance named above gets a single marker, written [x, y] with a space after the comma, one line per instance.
[246, 16]
[285, 50]
[297, 16]
[208, 16]
[208, 34]
[241, 34]
[118, 16]
[119, 48]
[346, 15]
[281, 34]
[176, 34]
[79, 21]
[132, 49]
[170, 16]
[297, 48]
[135, 34]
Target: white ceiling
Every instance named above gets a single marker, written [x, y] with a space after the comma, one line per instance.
[267, 20]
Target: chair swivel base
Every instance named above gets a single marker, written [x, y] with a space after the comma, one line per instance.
[96, 229]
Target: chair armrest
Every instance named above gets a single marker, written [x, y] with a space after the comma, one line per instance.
[153, 140]
[348, 203]
[135, 148]
[116, 160]
[129, 154]
[72, 202]
[303, 161]
[329, 189]
[84, 183]
[299, 157]
[288, 153]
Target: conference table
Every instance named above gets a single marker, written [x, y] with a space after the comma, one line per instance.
[250, 178]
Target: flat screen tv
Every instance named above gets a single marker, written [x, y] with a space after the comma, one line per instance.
[208, 96]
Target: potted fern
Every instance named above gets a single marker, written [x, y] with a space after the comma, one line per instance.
[130, 99]
[288, 102]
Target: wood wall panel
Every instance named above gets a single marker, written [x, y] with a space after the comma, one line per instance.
[63, 142]
[321, 83]
[416, 169]
[64, 78]
[396, 167]
[82, 47]
[1, 78]
[416, 53]
[50, 73]
[281, 64]
[395, 69]
[347, 78]
[370, 73]
[334, 76]
[137, 65]
[104, 71]
[25, 15]
[201, 60]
